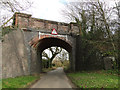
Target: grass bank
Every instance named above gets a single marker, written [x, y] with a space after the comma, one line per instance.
[98, 79]
[19, 82]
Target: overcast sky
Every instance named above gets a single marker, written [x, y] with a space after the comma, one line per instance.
[48, 9]
[51, 9]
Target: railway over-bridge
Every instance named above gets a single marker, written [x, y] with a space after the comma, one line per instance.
[23, 47]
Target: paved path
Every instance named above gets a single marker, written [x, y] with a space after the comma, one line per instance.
[53, 79]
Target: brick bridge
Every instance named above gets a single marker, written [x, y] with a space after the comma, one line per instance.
[23, 47]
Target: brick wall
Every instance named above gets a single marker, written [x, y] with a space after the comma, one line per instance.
[26, 21]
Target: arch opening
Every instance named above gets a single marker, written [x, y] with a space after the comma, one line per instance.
[52, 42]
[49, 42]
[55, 57]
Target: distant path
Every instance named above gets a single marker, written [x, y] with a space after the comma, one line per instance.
[53, 79]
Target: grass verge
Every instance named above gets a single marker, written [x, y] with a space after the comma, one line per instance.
[97, 79]
[19, 82]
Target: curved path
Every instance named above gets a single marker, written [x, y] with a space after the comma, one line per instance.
[53, 79]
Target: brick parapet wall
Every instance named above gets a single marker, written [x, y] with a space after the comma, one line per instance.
[26, 21]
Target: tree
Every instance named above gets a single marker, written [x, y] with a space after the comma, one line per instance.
[15, 5]
[76, 11]
[104, 17]
[116, 23]
[9, 7]
[54, 51]
[105, 20]
[94, 22]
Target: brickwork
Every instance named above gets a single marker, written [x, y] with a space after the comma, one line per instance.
[37, 39]
[26, 21]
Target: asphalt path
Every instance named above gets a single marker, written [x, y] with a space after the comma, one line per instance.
[53, 79]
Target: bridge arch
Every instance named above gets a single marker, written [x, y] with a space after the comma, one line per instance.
[50, 42]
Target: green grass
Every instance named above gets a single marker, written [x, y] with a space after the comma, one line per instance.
[112, 72]
[94, 79]
[18, 82]
[0, 84]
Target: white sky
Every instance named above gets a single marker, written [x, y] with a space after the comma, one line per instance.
[47, 9]
[51, 9]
